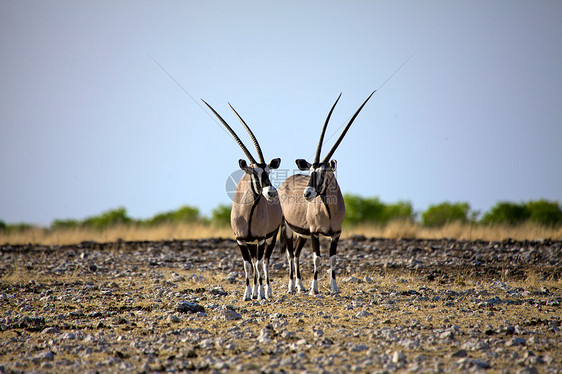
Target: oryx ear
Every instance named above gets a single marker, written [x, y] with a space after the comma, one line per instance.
[275, 163]
[333, 165]
[302, 164]
[244, 166]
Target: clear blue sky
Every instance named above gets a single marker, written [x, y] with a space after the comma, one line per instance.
[89, 122]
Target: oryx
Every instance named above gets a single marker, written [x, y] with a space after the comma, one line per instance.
[256, 214]
[313, 205]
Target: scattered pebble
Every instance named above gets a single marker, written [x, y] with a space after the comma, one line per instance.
[189, 307]
[176, 306]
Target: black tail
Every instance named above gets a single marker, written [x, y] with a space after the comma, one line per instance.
[283, 235]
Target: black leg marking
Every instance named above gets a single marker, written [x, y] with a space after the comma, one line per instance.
[271, 246]
[333, 250]
[334, 244]
[287, 243]
[315, 240]
[261, 251]
[247, 267]
[268, 251]
[299, 244]
[253, 248]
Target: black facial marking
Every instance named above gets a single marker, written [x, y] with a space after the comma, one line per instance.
[259, 180]
[265, 182]
[317, 178]
[255, 182]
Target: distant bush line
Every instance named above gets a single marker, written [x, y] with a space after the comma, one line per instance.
[359, 210]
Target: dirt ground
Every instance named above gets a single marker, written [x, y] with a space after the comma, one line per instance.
[420, 306]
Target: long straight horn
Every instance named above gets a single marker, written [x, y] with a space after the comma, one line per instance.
[329, 155]
[319, 148]
[256, 144]
[248, 154]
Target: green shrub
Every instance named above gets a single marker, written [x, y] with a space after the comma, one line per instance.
[440, 214]
[543, 212]
[18, 227]
[64, 224]
[360, 209]
[371, 210]
[3, 226]
[184, 214]
[108, 219]
[401, 210]
[505, 212]
[220, 216]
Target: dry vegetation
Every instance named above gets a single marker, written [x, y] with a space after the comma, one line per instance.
[126, 233]
[393, 230]
[457, 230]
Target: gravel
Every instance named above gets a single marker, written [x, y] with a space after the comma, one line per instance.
[405, 305]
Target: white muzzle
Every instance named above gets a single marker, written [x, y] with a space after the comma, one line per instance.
[269, 192]
[309, 193]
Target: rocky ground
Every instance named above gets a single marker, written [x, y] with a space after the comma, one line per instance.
[405, 305]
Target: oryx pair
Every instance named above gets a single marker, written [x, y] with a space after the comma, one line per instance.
[306, 206]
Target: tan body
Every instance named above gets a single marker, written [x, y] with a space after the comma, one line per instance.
[253, 223]
[322, 215]
[319, 216]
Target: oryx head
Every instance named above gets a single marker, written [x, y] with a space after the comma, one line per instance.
[321, 170]
[258, 171]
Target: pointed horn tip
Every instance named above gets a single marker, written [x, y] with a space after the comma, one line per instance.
[255, 141]
[335, 146]
[319, 147]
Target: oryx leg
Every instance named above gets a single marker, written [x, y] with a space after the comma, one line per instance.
[316, 260]
[287, 243]
[258, 252]
[333, 249]
[247, 268]
[270, 244]
[253, 248]
[298, 248]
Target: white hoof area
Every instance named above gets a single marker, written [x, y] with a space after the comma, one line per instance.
[247, 294]
[255, 292]
[314, 287]
[300, 286]
[334, 286]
